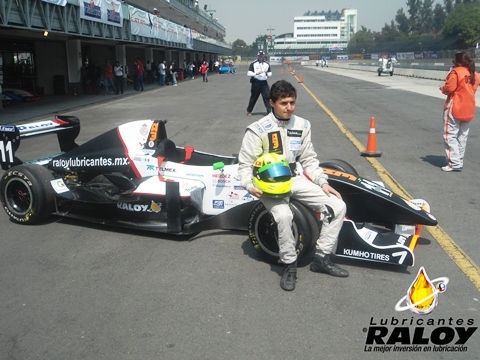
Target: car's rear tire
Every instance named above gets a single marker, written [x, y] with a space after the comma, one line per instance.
[262, 231]
[26, 193]
[337, 164]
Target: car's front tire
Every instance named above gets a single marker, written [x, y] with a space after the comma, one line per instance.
[263, 234]
[26, 193]
[340, 165]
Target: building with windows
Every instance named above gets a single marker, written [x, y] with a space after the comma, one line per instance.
[50, 46]
[314, 33]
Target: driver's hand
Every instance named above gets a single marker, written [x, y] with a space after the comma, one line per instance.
[331, 191]
[255, 192]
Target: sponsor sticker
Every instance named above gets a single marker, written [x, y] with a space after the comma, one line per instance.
[218, 204]
[59, 186]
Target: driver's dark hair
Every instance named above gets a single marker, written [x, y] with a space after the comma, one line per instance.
[282, 89]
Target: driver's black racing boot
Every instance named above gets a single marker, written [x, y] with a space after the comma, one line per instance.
[323, 264]
[289, 277]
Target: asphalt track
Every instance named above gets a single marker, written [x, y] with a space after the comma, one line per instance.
[77, 291]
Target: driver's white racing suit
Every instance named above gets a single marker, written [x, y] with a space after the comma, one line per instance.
[292, 139]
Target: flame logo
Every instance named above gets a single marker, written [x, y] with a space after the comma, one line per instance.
[422, 295]
[156, 207]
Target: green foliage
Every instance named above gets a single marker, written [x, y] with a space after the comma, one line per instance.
[439, 18]
[425, 26]
[464, 24]
[362, 41]
[402, 22]
[238, 46]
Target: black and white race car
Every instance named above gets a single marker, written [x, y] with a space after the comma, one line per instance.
[135, 176]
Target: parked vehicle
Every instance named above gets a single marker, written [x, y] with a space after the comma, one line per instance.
[227, 69]
[386, 66]
[135, 176]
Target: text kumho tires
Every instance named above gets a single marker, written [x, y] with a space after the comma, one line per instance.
[26, 193]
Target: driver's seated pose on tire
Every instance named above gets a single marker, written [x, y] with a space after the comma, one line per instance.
[283, 133]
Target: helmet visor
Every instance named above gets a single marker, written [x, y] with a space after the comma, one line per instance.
[275, 172]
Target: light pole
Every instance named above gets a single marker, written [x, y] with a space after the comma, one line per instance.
[270, 39]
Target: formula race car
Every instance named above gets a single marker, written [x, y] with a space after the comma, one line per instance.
[386, 66]
[12, 96]
[135, 176]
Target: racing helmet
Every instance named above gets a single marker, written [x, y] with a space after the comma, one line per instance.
[272, 175]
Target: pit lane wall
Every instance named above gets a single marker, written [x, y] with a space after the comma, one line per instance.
[411, 69]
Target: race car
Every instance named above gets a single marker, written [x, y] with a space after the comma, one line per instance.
[11, 96]
[135, 176]
[386, 66]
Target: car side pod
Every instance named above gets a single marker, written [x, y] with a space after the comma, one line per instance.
[172, 201]
[366, 242]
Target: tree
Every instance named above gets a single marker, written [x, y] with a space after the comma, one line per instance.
[426, 17]
[414, 10]
[448, 6]
[439, 17]
[239, 47]
[464, 24]
[361, 42]
[402, 22]
[389, 32]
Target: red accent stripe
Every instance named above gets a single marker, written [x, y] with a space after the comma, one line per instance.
[132, 164]
[446, 136]
[59, 122]
[159, 162]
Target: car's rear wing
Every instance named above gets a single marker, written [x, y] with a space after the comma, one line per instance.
[67, 129]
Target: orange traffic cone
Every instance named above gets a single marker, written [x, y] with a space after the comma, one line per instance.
[372, 142]
[293, 72]
[282, 71]
[300, 79]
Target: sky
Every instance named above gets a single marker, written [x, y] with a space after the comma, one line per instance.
[247, 19]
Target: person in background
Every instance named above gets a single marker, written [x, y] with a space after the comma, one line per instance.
[108, 77]
[204, 71]
[97, 76]
[174, 72]
[118, 77]
[162, 72]
[148, 70]
[190, 68]
[154, 72]
[140, 75]
[459, 109]
[258, 72]
[135, 75]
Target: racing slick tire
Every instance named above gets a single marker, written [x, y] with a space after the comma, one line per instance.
[337, 164]
[262, 231]
[26, 193]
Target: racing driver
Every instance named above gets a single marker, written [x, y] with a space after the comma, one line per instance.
[283, 133]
